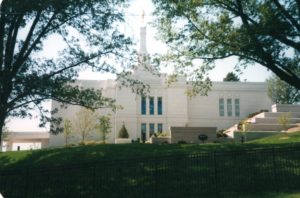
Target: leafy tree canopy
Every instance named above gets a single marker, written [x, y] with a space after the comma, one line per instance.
[231, 77]
[266, 32]
[281, 92]
[89, 31]
[104, 126]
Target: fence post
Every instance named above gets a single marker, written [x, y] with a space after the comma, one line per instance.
[27, 183]
[215, 173]
[156, 177]
[94, 181]
[275, 170]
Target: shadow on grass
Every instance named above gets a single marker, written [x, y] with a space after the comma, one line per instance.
[164, 172]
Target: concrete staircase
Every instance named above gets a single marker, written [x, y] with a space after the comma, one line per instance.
[268, 121]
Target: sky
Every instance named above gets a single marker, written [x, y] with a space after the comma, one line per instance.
[133, 22]
[253, 73]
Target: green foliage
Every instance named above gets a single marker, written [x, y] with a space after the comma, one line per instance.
[163, 134]
[104, 127]
[240, 124]
[67, 131]
[123, 132]
[253, 135]
[254, 31]
[221, 133]
[231, 77]
[89, 36]
[281, 92]
[256, 113]
[284, 120]
[85, 123]
[286, 138]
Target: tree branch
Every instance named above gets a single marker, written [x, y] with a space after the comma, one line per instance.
[287, 15]
[11, 49]
[2, 25]
[86, 60]
[8, 41]
[269, 63]
[30, 33]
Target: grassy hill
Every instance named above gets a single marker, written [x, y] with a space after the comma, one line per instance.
[177, 170]
[99, 152]
[286, 138]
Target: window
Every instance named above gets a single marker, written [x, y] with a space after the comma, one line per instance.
[151, 129]
[159, 105]
[159, 128]
[143, 106]
[237, 107]
[151, 105]
[229, 107]
[143, 131]
[221, 107]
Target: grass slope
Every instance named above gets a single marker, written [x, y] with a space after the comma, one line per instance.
[105, 171]
[286, 138]
[91, 153]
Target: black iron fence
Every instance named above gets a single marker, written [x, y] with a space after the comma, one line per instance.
[199, 175]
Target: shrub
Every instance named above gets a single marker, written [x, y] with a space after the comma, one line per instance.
[221, 133]
[242, 122]
[181, 142]
[123, 132]
[136, 141]
[284, 120]
[256, 113]
[163, 134]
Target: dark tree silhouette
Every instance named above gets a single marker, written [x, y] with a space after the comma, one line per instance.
[88, 29]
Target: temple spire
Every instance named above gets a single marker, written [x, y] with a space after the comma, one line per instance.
[143, 45]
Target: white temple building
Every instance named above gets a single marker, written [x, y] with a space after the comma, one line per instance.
[168, 105]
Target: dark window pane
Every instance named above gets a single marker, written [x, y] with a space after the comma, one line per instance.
[237, 107]
[143, 131]
[229, 107]
[151, 129]
[151, 105]
[143, 106]
[221, 107]
[159, 128]
[159, 105]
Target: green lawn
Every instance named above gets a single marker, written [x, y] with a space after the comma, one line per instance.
[90, 153]
[179, 170]
[286, 138]
[263, 195]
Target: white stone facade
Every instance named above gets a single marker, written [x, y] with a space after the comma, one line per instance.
[239, 99]
[177, 108]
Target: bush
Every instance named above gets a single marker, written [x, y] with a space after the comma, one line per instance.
[136, 141]
[123, 132]
[181, 142]
[242, 122]
[221, 133]
[163, 134]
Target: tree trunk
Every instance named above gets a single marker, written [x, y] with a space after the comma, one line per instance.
[2, 122]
